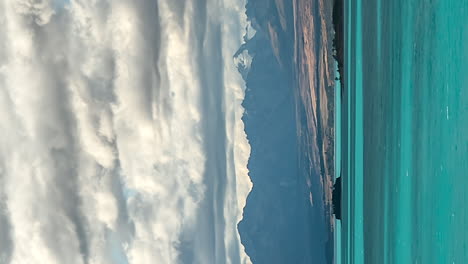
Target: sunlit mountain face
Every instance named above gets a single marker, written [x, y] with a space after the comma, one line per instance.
[290, 126]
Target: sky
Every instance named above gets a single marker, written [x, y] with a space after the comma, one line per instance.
[122, 139]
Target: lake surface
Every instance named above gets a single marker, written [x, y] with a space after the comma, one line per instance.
[404, 132]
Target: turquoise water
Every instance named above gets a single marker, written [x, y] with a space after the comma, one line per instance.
[404, 134]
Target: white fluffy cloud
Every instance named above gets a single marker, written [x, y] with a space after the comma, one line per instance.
[122, 139]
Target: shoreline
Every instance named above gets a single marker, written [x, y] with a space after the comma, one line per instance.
[338, 40]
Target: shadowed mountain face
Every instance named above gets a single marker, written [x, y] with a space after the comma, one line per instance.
[276, 226]
[287, 216]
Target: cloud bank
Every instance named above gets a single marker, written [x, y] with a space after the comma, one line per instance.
[122, 139]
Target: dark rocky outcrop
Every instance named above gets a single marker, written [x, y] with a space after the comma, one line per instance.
[337, 187]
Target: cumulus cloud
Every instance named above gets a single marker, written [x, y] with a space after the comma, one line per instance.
[122, 136]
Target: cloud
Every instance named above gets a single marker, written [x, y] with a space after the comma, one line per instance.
[123, 140]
